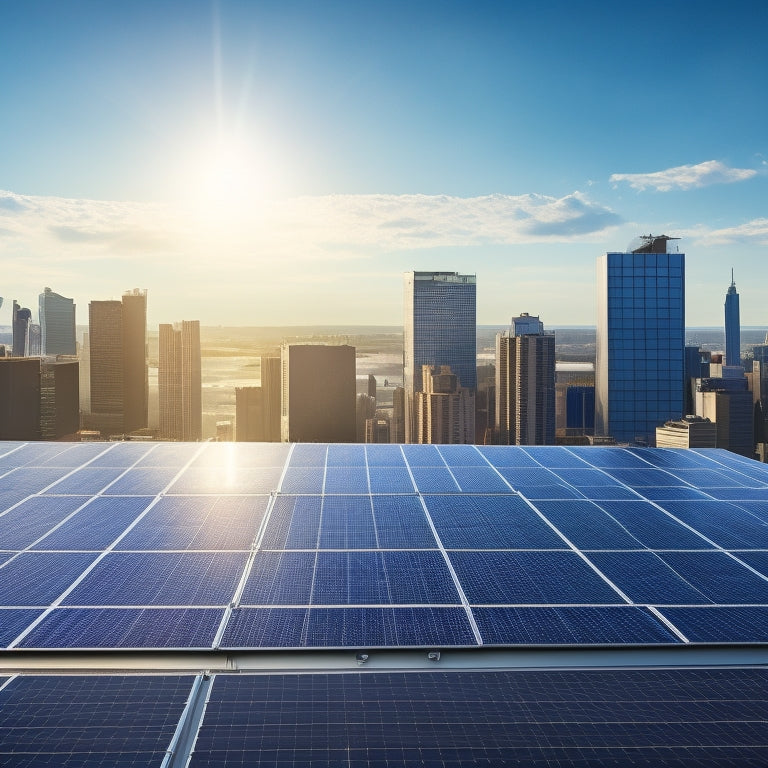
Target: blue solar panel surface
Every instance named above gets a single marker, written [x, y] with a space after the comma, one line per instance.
[330, 545]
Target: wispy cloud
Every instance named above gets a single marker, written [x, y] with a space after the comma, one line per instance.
[684, 177]
[753, 232]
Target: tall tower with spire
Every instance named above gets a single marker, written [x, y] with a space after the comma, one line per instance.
[732, 326]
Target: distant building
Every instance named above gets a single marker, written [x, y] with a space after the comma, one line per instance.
[639, 371]
[445, 411]
[732, 326]
[568, 375]
[179, 381]
[697, 366]
[224, 431]
[318, 393]
[377, 429]
[485, 404]
[118, 363]
[20, 321]
[84, 358]
[688, 432]
[257, 409]
[729, 404]
[397, 425]
[365, 410]
[39, 400]
[439, 329]
[35, 341]
[525, 384]
[57, 324]
[580, 409]
[366, 385]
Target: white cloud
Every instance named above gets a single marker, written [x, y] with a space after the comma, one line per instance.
[685, 177]
[753, 232]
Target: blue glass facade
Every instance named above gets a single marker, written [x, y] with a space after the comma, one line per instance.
[640, 344]
[439, 329]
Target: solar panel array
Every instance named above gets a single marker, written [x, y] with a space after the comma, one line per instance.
[682, 717]
[234, 546]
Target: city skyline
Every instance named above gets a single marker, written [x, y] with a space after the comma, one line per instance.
[282, 164]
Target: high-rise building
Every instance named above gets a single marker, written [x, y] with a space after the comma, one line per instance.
[732, 326]
[118, 361]
[445, 411]
[439, 329]
[179, 381]
[640, 370]
[525, 383]
[57, 324]
[257, 409]
[318, 393]
[397, 424]
[38, 399]
[689, 432]
[20, 321]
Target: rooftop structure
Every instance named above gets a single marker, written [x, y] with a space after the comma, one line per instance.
[199, 603]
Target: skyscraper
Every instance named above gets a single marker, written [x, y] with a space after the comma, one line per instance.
[179, 381]
[439, 329]
[57, 324]
[118, 362]
[318, 398]
[525, 383]
[20, 320]
[732, 326]
[640, 340]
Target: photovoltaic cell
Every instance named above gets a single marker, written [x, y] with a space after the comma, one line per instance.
[716, 623]
[501, 456]
[673, 494]
[652, 527]
[293, 523]
[347, 627]
[26, 481]
[121, 455]
[347, 523]
[280, 578]
[96, 525]
[384, 455]
[90, 720]
[38, 578]
[587, 526]
[645, 477]
[142, 481]
[169, 455]
[308, 455]
[462, 456]
[390, 480]
[13, 621]
[33, 518]
[169, 578]
[645, 578]
[529, 578]
[300, 479]
[126, 628]
[554, 457]
[346, 456]
[346, 480]
[726, 524]
[400, 522]
[203, 522]
[570, 625]
[489, 522]
[230, 480]
[87, 480]
[434, 480]
[608, 458]
[479, 479]
[718, 576]
[423, 456]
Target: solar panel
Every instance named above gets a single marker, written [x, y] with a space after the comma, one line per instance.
[90, 720]
[548, 717]
[125, 628]
[166, 578]
[138, 564]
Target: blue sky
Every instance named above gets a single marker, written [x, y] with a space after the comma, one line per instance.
[259, 163]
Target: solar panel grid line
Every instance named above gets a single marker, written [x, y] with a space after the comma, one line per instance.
[448, 468]
[454, 576]
[177, 752]
[246, 571]
[207, 692]
[104, 553]
[286, 464]
[325, 474]
[13, 450]
[7, 682]
[667, 623]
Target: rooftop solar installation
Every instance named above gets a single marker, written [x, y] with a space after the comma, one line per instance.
[237, 546]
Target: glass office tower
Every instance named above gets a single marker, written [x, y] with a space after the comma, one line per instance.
[439, 329]
[640, 365]
[57, 323]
